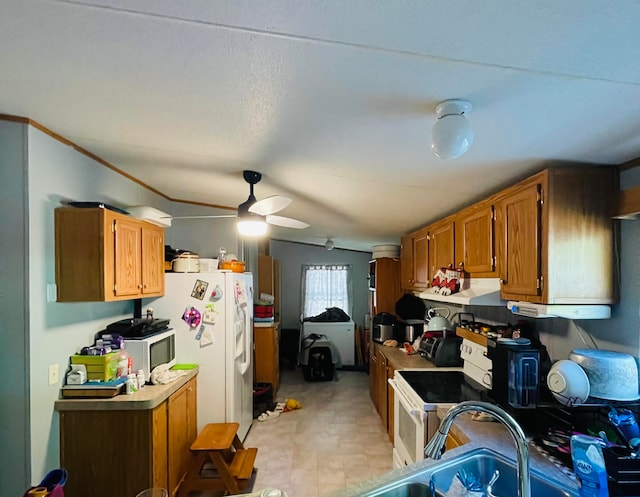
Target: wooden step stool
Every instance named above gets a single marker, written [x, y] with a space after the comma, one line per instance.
[219, 443]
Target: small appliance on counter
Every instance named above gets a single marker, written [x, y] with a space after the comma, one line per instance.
[410, 325]
[442, 350]
[137, 327]
[515, 371]
[383, 327]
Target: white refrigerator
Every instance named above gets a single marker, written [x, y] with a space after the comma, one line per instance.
[212, 315]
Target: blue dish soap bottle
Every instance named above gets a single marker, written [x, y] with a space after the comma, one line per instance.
[588, 464]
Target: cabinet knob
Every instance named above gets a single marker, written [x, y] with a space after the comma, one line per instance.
[503, 281]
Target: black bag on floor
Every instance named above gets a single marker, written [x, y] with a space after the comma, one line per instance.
[316, 358]
[262, 398]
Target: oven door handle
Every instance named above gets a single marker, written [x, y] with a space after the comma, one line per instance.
[413, 409]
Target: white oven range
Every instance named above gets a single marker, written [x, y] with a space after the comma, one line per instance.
[417, 395]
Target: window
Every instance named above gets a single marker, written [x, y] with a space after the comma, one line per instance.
[325, 286]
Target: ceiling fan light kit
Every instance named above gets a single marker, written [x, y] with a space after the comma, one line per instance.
[451, 135]
[252, 227]
[254, 215]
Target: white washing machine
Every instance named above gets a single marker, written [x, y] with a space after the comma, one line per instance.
[341, 335]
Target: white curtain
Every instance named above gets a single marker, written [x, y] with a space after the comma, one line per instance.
[325, 286]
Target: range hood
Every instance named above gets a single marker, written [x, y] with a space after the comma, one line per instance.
[568, 311]
[480, 291]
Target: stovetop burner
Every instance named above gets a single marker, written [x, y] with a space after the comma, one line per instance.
[443, 387]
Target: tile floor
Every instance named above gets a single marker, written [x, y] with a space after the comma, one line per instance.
[335, 440]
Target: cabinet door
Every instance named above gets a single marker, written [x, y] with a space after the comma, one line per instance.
[475, 239]
[182, 428]
[441, 245]
[152, 260]
[387, 285]
[373, 376]
[519, 218]
[128, 255]
[421, 260]
[390, 400]
[266, 366]
[382, 387]
[406, 262]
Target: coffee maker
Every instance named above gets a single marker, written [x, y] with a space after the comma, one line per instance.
[515, 371]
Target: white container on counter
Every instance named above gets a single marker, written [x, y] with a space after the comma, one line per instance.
[186, 263]
[208, 265]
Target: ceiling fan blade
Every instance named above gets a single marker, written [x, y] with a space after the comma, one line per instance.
[269, 205]
[204, 217]
[286, 222]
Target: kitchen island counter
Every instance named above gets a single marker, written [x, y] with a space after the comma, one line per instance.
[474, 435]
[153, 427]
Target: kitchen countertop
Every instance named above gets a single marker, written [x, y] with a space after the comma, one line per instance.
[400, 360]
[147, 398]
[491, 435]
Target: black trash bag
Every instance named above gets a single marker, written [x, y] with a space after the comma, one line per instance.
[331, 315]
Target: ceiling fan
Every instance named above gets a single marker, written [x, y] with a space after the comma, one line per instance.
[254, 215]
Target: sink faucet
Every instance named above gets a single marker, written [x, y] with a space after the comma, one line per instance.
[435, 447]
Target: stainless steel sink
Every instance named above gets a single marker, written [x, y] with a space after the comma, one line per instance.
[412, 489]
[482, 463]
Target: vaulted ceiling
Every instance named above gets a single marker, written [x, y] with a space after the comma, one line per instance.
[332, 101]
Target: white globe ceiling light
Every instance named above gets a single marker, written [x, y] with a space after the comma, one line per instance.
[451, 135]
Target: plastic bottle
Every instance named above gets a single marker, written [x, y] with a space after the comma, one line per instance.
[141, 379]
[221, 255]
[588, 464]
[131, 384]
[625, 421]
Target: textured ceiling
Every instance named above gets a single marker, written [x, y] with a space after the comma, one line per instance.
[332, 101]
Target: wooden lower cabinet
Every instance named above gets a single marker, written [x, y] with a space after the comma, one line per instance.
[122, 452]
[182, 431]
[381, 379]
[390, 399]
[380, 370]
[267, 349]
[373, 376]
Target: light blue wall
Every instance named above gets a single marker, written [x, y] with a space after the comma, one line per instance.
[293, 256]
[38, 174]
[14, 318]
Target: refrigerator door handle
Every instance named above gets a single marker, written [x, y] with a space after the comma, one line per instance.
[244, 366]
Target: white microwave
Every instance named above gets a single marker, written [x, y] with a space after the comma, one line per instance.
[152, 350]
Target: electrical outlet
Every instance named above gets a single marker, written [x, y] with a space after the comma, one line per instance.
[53, 374]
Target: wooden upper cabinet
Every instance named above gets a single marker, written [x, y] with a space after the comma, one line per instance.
[421, 248]
[414, 260]
[104, 256]
[128, 254]
[269, 281]
[386, 290]
[520, 223]
[406, 261]
[475, 239]
[152, 260]
[556, 240]
[441, 245]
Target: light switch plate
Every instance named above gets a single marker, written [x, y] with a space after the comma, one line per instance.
[53, 374]
[52, 292]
